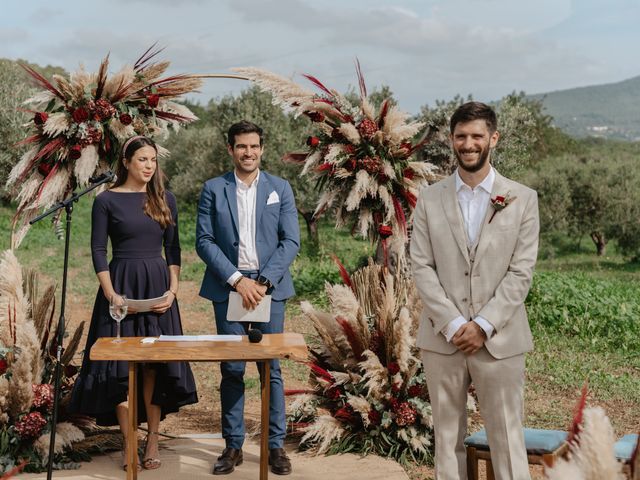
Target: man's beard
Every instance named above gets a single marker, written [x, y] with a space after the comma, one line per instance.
[482, 161]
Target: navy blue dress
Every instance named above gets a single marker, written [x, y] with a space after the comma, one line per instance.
[138, 271]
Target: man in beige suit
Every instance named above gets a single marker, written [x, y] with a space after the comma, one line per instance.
[473, 249]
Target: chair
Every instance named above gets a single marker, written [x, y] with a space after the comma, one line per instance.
[624, 449]
[543, 448]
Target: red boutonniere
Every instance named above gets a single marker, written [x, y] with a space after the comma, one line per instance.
[500, 202]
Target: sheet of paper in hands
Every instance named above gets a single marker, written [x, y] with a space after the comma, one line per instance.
[146, 304]
[237, 313]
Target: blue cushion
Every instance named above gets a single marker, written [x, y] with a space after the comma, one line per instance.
[536, 441]
[624, 447]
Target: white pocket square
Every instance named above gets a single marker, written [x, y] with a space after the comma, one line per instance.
[273, 198]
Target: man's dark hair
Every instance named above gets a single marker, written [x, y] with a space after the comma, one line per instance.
[470, 111]
[242, 127]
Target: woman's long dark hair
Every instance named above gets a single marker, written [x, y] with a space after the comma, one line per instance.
[155, 205]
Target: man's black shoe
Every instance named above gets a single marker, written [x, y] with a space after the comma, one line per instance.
[280, 463]
[227, 462]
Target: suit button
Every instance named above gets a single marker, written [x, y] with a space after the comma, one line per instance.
[465, 300]
[466, 274]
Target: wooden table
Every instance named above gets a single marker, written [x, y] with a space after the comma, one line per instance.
[272, 346]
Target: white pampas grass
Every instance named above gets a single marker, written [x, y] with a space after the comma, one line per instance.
[594, 456]
[376, 375]
[403, 340]
[43, 97]
[350, 132]
[86, 165]
[56, 124]
[324, 431]
[362, 406]
[396, 128]
[55, 188]
[122, 132]
[285, 92]
[333, 154]
[311, 162]
[66, 434]
[20, 166]
[364, 184]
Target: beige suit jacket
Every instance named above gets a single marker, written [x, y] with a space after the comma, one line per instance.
[493, 286]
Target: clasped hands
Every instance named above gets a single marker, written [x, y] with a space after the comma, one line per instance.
[469, 338]
[251, 292]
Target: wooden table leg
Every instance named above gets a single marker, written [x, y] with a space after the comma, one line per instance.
[132, 434]
[264, 420]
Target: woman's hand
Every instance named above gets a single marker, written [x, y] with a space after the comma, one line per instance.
[166, 305]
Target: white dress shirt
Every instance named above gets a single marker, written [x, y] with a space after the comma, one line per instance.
[473, 204]
[247, 253]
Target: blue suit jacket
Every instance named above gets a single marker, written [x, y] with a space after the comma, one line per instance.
[277, 235]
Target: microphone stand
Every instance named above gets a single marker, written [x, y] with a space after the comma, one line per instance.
[68, 207]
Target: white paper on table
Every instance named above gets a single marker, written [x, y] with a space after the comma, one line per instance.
[200, 338]
[145, 305]
[237, 313]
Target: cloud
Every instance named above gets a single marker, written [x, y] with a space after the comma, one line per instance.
[10, 36]
[45, 14]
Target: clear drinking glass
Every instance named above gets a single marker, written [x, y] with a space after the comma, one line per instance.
[118, 310]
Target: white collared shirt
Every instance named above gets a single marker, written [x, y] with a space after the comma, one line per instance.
[473, 206]
[247, 253]
[474, 203]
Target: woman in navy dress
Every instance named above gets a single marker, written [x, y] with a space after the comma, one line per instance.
[140, 218]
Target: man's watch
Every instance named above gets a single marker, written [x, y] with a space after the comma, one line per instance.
[262, 280]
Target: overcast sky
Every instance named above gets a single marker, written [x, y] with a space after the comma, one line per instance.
[423, 49]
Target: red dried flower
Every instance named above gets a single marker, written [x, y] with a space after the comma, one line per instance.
[30, 425]
[333, 393]
[385, 231]
[313, 141]
[75, 152]
[43, 397]
[326, 167]
[350, 149]
[374, 417]
[405, 148]
[405, 414]
[382, 178]
[371, 165]
[367, 128]
[94, 136]
[414, 390]
[125, 119]
[44, 168]
[408, 173]
[153, 99]
[103, 110]
[315, 116]
[393, 367]
[39, 118]
[3, 366]
[80, 115]
[395, 387]
[350, 164]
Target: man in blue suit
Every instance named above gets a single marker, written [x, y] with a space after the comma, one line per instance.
[247, 234]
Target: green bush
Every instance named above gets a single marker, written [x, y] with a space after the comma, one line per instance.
[603, 313]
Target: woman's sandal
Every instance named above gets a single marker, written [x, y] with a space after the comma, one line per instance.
[151, 463]
[125, 463]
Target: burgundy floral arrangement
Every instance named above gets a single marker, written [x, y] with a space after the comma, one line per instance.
[360, 156]
[79, 124]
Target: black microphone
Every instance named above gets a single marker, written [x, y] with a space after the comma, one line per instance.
[255, 335]
[108, 176]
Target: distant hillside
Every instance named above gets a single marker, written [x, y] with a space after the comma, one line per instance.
[610, 111]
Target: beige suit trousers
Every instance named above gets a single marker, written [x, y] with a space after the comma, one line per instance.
[499, 384]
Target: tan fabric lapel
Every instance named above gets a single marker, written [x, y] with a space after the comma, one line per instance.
[486, 230]
[454, 217]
